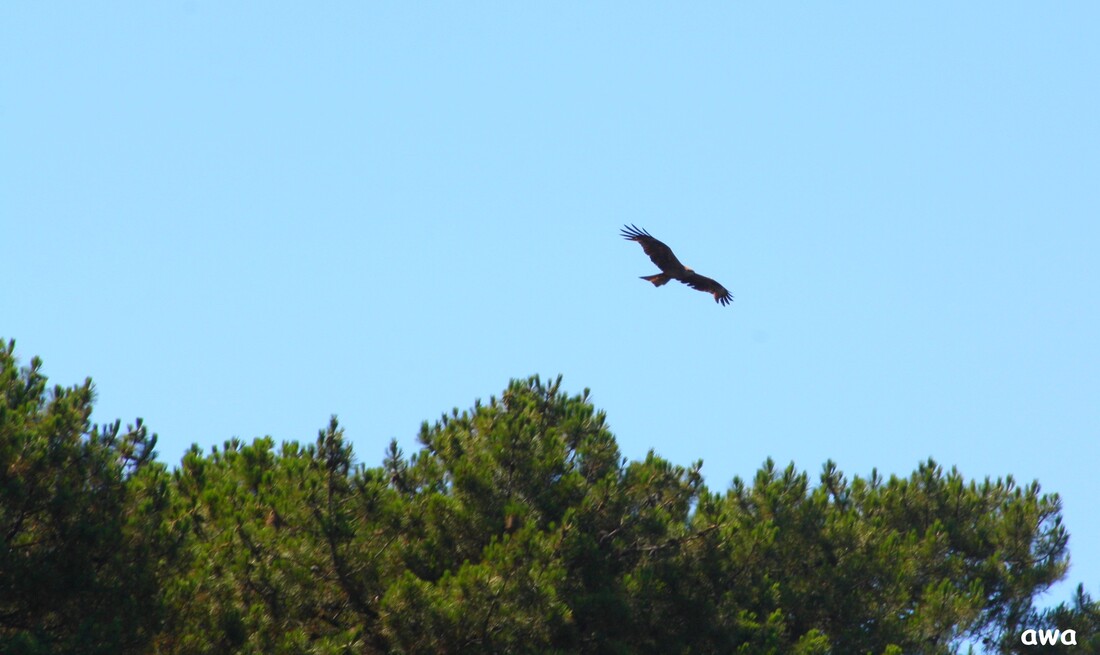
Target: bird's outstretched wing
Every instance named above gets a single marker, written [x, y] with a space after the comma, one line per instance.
[660, 253]
[704, 283]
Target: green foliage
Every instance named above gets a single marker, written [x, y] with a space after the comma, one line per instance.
[287, 551]
[1081, 616]
[915, 564]
[516, 527]
[83, 536]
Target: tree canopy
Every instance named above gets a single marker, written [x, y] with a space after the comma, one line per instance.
[516, 526]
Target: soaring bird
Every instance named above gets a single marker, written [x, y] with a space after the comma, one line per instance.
[671, 268]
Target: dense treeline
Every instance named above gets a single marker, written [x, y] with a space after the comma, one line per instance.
[517, 527]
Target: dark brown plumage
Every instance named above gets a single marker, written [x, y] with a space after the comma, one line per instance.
[671, 268]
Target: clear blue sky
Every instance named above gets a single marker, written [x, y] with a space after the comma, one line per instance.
[241, 218]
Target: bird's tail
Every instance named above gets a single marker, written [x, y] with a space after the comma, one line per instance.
[657, 279]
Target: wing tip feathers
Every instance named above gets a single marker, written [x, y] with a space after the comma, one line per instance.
[633, 232]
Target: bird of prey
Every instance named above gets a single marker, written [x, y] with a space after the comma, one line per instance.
[671, 268]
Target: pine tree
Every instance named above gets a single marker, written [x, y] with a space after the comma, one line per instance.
[516, 527]
[83, 536]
